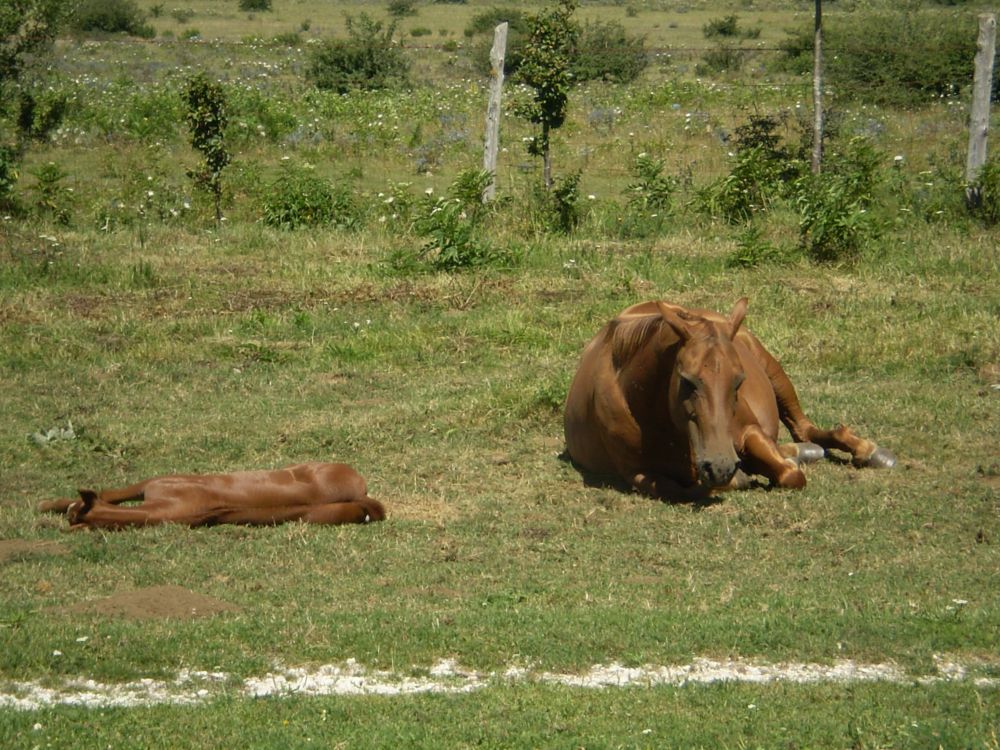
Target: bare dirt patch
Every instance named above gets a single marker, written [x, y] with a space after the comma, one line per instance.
[155, 602]
[17, 549]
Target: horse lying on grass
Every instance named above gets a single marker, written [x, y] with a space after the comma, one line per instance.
[681, 402]
[313, 493]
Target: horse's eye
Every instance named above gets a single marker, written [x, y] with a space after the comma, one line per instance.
[738, 380]
[688, 386]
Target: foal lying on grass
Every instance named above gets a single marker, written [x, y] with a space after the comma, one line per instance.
[312, 492]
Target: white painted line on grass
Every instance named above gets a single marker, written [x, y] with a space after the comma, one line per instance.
[351, 678]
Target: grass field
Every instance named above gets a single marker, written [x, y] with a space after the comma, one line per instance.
[156, 343]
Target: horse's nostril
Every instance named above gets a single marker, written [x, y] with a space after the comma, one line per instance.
[716, 474]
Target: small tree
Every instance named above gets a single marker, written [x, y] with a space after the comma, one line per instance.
[545, 68]
[206, 118]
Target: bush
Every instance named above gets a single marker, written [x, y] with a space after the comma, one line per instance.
[400, 8]
[604, 51]
[368, 59]
[762, 170]
[301, 198]
[598, 51]
[40, 113]
[836, 222]
[52, 198]
[893, 59]
[728, 26]
[481, 29]
[255, 6]
[9, 161]
[987, 190]
[753, 250]
[754, 182]
[452, 224]
[722, 59]
[112, 17]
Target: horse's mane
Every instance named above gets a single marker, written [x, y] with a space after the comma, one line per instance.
[629, 335]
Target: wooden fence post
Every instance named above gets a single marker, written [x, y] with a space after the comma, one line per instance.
[497, 54]
[979, 116]
[817, 150]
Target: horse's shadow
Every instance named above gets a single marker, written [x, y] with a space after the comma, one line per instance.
[697, 501]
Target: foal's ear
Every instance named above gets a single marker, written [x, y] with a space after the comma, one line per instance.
[677, 321]
[737, 315]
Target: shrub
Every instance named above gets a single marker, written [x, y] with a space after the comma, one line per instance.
[986, 205]
[255, 6]
[9, 161]
[452, 225]
[650, 191]
[52, 198]
[38, 115]
[563, 204]
[367, 59]
[301, 198]
[894, 59]
[722, 59]
[481, 28]
[112, 17]
[753, 250]
[400, 8]
[836, 222]
[750, 187]
[762, 170]
[604, 51]
[728, 26]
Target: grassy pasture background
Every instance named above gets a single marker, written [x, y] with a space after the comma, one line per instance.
[172, 345]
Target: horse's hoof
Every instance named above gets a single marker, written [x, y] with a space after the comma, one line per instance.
[740, 481]
[809, 453]
[882, 458]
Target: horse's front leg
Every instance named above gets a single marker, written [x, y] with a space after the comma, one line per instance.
[761, 455]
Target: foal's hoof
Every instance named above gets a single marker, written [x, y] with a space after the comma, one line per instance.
[882, 458]
[809, 453]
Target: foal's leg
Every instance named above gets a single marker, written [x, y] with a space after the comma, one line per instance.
[363, 511]
[863, 452]
[355, 511]
[761, 455]
[91, 512]
[114, 496]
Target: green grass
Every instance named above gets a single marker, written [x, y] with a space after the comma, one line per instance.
[172, 345]
[717, 716]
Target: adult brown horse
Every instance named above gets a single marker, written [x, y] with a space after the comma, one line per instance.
[680, 402]
[327, 493]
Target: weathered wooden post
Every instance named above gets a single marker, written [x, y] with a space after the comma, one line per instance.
[979, 116]
[817, 151]
[497, 54]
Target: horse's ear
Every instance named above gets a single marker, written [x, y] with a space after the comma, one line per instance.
[675, 321]
[737, 315]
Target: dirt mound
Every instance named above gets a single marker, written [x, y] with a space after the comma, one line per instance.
[15, 549]
[155, 602]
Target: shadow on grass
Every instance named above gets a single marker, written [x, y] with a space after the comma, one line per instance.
[698, 500]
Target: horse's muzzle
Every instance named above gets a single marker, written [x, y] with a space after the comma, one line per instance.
[716, 473]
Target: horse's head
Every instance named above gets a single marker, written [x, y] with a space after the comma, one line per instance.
[706, 376]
